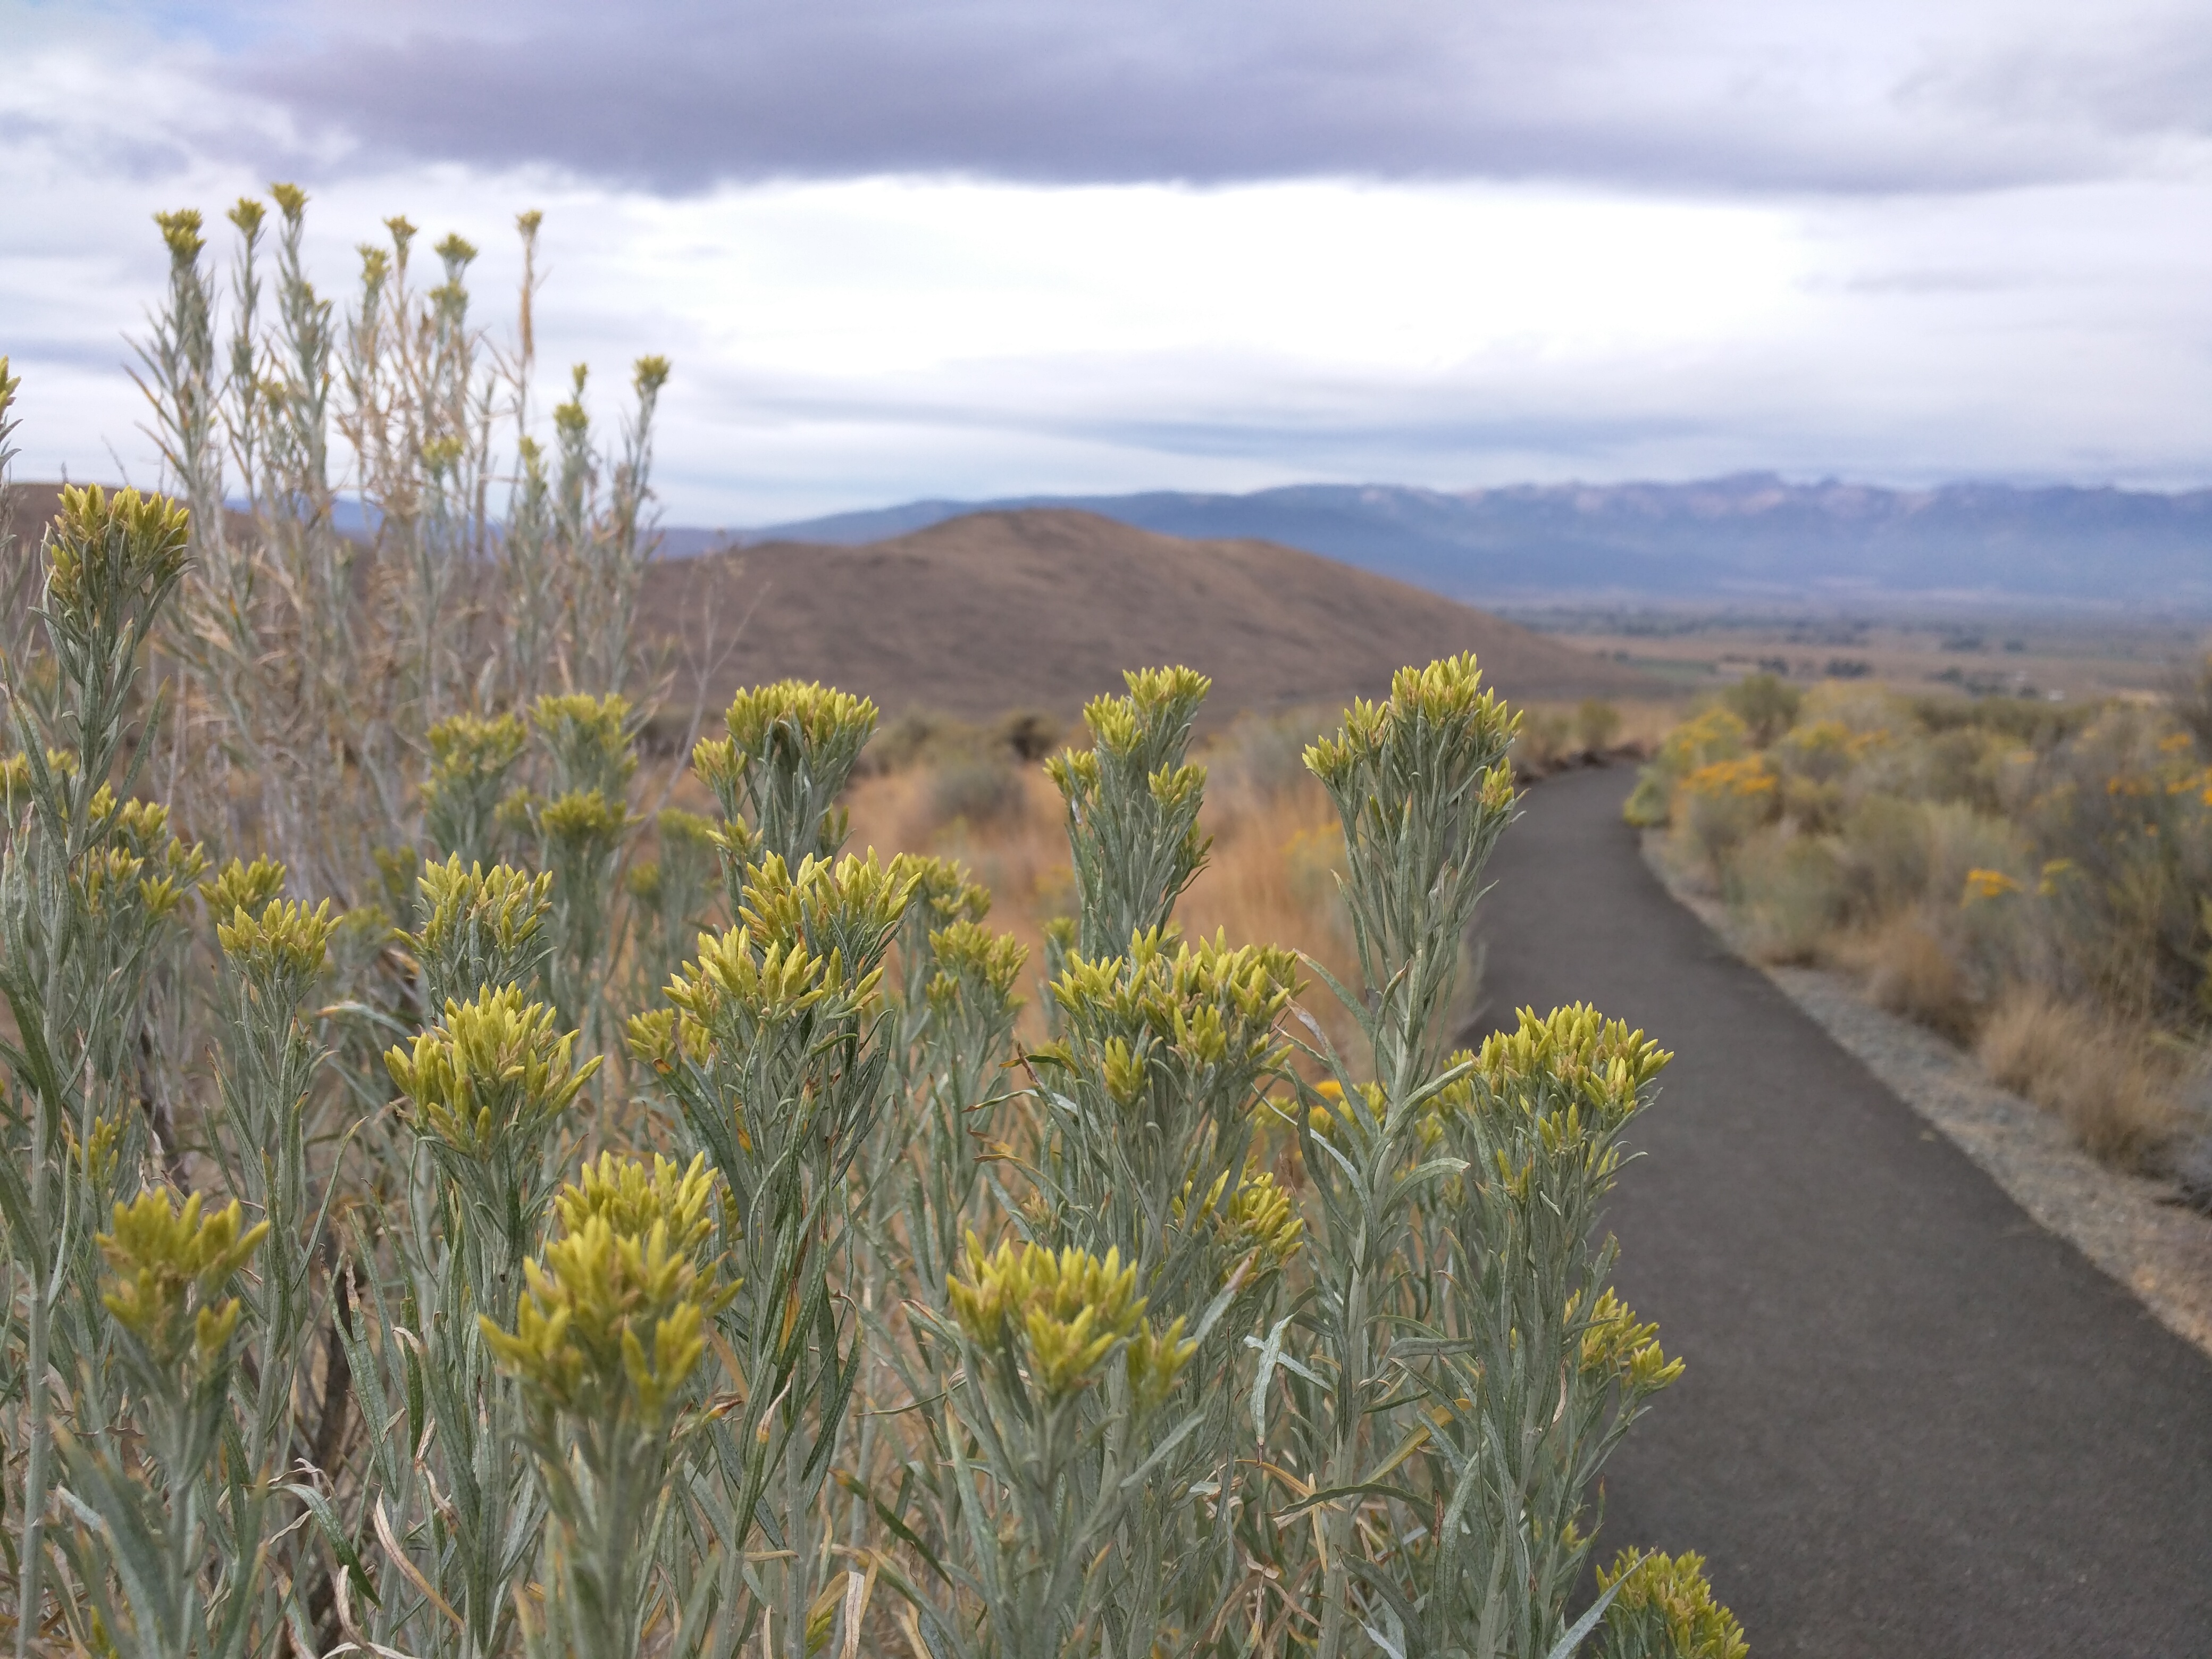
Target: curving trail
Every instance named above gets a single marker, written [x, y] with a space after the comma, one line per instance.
[1913, 1422]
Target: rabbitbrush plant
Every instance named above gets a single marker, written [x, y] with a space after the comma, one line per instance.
[436, 1228]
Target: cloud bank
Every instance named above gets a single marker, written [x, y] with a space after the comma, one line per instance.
[988, 249]
[1878, 96]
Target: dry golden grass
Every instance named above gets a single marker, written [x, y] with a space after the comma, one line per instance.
[1269, 879]
[1909, 972]
[2102, 1076]
[1555, 734]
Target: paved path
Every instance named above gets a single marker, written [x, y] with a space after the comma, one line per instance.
[1913, 1422]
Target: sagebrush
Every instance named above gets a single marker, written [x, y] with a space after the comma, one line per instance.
[453, 1210]
[2037, 877]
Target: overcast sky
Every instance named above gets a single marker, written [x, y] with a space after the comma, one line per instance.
[898, 248]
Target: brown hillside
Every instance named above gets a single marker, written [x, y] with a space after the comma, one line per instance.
[1043, 608]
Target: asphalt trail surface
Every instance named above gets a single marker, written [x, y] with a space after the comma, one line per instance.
[1913, 1422]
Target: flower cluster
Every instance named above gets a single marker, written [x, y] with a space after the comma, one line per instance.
[170, 1266]
[942, 890]
[631, 1199]
[1716, 735]
[280, 952]
[1441, 707]
[588, 739]
[1665, 1605]
[1206, 1007]
[1132, 803]
[111, 560]
[481, 929]
[611, 1325]
[967, 958]
[818, 715]
[464, 747]
[470, 761]
[1257, 1221]
[802, 964]
[790, 748]
[1065, 1313]
[241, 886]
[1615, 1344]
[1573, 1051]
[583, 823]
[843, 911]
[1984, 884]
[1749, 778]
[492, 1078]
[144, 866]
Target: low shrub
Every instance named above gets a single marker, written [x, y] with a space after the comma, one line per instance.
[2003, 857]
[1544, 742]
[1597, 723]
[1767, 704]
[1721, 803]
[975, 792]
[1793, 891]
[1884, 845]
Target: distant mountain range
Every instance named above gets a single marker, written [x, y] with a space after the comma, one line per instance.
[1754, 537]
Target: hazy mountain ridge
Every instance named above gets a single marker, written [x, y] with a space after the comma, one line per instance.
[1752, 536]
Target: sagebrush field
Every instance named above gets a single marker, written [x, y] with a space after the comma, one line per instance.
[2029, 877]
[474, 1186]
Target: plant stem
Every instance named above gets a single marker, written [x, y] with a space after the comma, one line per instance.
[35, 1475]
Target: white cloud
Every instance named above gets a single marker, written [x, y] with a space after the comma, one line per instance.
[846, 341]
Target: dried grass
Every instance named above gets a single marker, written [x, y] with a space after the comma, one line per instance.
[2104, 1077]
[1910, 971]
[1270, 877]
[1554, 735]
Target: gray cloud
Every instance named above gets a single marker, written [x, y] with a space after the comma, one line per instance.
[1725, 94]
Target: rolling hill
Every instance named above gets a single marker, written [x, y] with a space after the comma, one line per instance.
[1042, 608]
[1751, 537]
